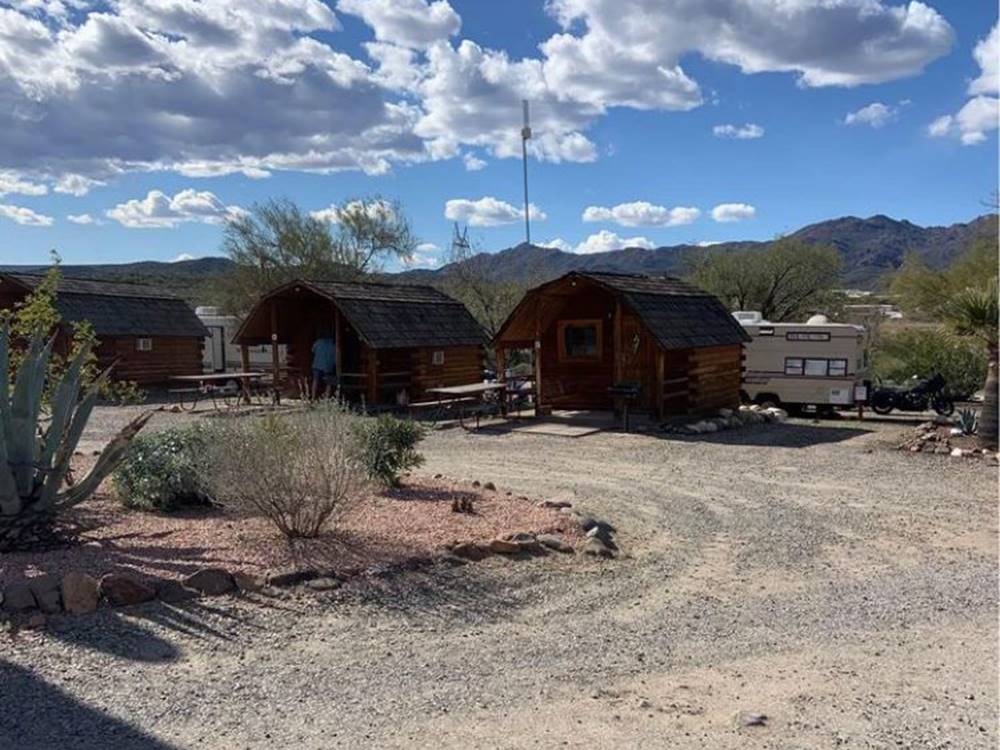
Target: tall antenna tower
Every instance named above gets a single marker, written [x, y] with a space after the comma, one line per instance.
[460, 242]
[525, 137]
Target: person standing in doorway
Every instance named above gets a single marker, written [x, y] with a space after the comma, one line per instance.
[324, 364]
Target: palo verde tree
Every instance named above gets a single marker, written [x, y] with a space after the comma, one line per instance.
[276, 242]
[786, 281]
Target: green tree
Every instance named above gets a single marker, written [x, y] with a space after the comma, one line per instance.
[465, 278]
[964, 298]
[277, 242]
[786, 281]
[973, 312]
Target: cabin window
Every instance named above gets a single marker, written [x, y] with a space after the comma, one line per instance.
[793, 366]
[144, 345]
[838, 368]
[815, 368]
[580, 339]
[437, 358]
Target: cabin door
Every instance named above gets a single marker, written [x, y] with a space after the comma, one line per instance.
[635, 351]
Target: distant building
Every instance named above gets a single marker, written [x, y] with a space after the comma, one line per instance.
[221, 353]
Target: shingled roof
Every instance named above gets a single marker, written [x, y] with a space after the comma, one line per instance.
[116, 308]
[678, 314]
[396, 316]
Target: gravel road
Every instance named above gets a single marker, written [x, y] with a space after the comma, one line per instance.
[805, 572]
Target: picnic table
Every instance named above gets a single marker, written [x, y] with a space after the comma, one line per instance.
[208, 384]
[482, 398]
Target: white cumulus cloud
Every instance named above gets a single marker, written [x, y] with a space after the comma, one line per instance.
[101, 89]
[489, 212]
[408, 23]
[729, 212]
[181, 257]
[76, 184]
[739, 132]
[12, 182]
[158, 210]
[558, 243]
[81, 219]
[25, 216]
[875, 114]
[373, 208]
[980, 114]
[605, 241]
[642, 214]
[472, 162]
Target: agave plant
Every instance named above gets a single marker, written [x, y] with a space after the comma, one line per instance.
[36, 446]
[967, 420]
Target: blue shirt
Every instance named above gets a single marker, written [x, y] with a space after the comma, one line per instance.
[324, 355]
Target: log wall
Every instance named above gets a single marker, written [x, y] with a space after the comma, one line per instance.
[171, 355]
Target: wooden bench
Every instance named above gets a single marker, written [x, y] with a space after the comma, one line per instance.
[440, 407]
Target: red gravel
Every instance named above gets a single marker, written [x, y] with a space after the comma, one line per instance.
[385, 528]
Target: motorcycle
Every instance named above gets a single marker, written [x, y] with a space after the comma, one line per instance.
[925, 394]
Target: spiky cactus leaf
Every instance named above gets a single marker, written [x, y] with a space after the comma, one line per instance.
[22, 425]
[109, 459]
[10, 500]
[63, 401]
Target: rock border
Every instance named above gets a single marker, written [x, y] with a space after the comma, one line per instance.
[728, 419]
[30, 602]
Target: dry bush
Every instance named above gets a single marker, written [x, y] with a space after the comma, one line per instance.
[299, 471]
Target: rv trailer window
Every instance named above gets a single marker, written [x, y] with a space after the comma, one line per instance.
[816, 367]
[793, 366]
[807, 336]
[768, 331]
[838, 367]
[580, 339]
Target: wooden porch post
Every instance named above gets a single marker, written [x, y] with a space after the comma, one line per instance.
[337, 332]
[275, 365]
[537, 354]
[661, 365]
[372, 376]
[244, 357]
[617, 335]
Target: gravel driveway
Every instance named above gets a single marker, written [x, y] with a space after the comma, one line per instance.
[806, 572]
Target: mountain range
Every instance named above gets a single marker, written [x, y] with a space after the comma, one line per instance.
[869, 248]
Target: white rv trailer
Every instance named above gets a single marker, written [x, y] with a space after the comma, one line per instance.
[220, 354]
[815, 364]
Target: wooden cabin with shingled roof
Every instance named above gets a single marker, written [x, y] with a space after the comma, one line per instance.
[393, 341]
[596, 335]
[145, 334]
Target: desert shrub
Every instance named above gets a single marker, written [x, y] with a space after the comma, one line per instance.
[298, 471]
[925, 351]
[389, 447]
[162, 471]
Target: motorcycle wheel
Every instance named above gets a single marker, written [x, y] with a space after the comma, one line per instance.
[944, 406]
[883, 403]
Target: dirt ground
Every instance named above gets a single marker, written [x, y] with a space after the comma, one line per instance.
[806, 572]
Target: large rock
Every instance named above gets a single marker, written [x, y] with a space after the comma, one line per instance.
[18, 598]
[505, 547]
[554, 542]
[46, 591]
[79, 593]
[174, 592]
[596, 548]
[472, 551]
[248, 581]
[210, 581]
[122, 590]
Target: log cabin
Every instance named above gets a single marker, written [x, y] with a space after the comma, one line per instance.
[393, 341]
[145, 334]
[593, 335]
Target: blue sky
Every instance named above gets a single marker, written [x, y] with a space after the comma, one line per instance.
[153, 128]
